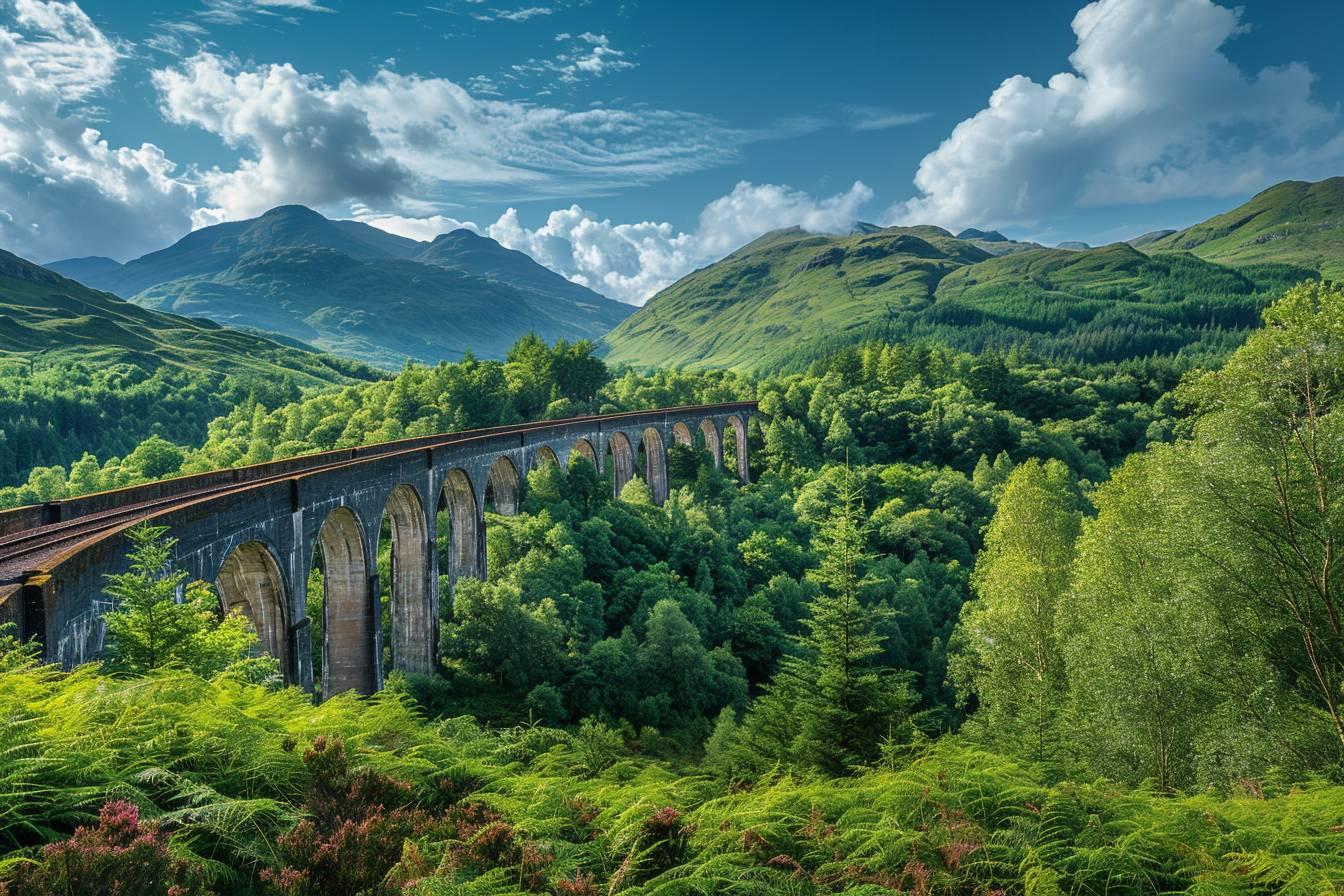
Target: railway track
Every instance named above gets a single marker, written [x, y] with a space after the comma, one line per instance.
[33, 550]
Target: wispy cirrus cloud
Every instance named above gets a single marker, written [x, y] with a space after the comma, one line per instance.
[235, 12]
[512, 15]
[871, 118]
[189, 34]
[393, 135]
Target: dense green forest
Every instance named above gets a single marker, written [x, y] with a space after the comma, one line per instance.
[982, 623]
[790, 298]
[83, 371]
[887, 402]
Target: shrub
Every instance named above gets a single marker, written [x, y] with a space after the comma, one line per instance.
[120, 856]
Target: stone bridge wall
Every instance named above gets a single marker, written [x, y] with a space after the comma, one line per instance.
[258, 544]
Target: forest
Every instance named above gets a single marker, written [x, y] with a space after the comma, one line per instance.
[981, 623]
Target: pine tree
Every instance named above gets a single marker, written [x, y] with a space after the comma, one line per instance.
[840, 701]
[150, 629]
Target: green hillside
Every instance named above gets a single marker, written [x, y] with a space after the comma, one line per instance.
[381, 311]
[356, 290]
[789, 291]
[46, 319]
[83, 371]
[790, 297]
[1294, 222]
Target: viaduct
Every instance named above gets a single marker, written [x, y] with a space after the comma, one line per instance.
[254, 532]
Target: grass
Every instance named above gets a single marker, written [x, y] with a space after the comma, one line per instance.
[1294, 222]
[45, 316]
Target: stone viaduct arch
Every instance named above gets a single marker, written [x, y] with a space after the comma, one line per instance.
[655, 464]
[713, 443]
[503, 491]
[250, 581]
[458, 498]
[620, 458]
[413, 617]
[544, 456]
[739, 433]
[254, 532]
[584, 448]
[347, 603]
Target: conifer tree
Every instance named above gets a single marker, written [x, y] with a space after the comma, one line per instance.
[833, 703]
[150, 629]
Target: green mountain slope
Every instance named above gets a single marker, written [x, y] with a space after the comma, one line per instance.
[43, 314]
[356, 290]
[789, 291]
[1151, 236]
[216, 248]
[1294, 222]
[84, 371]
[381, 311]
[789, 297]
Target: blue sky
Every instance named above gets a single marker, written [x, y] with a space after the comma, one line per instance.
[624, 144]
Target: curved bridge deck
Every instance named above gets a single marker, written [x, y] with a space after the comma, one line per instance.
[256, 531]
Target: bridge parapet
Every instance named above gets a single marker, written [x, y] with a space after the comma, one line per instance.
[257, 531]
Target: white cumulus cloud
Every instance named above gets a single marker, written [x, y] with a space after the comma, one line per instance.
[63, 189]
[423, 229]
[1152, 110]
[307, 143]
[630, 262]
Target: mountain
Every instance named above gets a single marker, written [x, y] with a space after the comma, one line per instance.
[988, 236]
[789, 297]
[564, 302]
[1151, 236]
[381, 312]
[216, 248]
[353, 289]
[1294, 222]
[790, 291]
[995, 243]
[43, 314]
[87, 269]
[1075, 245]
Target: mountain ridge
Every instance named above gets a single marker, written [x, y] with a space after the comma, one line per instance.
[353, 289]
[53, 316]
[1297, 222]
[789, 296]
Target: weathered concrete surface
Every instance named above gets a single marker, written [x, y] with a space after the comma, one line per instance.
[254, 531]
